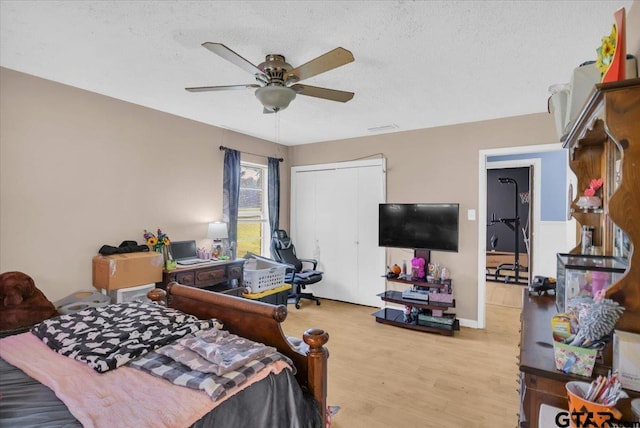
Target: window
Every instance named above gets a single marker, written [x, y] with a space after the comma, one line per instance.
[253, 216]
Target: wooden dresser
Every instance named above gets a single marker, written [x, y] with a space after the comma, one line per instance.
[603, 143]
[220, 276]
[540, 382]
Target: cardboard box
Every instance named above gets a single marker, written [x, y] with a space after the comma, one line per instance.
[127, 270]
[626, 358]
[441, 297]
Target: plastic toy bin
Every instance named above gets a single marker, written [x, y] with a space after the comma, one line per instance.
[580, 275]
[260, 275]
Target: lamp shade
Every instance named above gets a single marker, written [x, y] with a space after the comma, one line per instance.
[275, 98]
[217, 230]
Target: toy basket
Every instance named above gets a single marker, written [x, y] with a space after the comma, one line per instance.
[573, 359]
[260, 275]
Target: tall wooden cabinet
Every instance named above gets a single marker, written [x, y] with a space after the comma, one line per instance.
[605, 143]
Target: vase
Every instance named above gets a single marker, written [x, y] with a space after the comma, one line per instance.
[166, 253]
[616, 70]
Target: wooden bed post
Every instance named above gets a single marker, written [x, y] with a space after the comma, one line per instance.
[317, 371]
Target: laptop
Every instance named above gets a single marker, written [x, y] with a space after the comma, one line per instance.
[184, 253]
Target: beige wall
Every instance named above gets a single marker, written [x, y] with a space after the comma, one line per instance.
[79, 170]
[438, 165]
[441, 165]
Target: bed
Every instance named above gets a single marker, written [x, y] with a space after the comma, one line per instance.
[278, 397]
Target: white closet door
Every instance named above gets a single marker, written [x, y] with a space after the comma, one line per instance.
[336, 233]
[340, 227]
[371, 258]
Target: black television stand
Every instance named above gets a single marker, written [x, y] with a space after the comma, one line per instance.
[427, 316]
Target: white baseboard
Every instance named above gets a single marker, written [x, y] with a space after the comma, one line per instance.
[468, 323]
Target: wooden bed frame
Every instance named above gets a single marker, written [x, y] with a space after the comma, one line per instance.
[259, 322]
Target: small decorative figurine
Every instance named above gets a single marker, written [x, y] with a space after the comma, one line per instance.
[417, 268]
[393, 271]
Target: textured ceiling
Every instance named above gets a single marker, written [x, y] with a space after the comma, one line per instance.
[417, 64]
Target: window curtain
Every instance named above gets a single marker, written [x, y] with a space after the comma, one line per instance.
[231, 195]
[273, 193]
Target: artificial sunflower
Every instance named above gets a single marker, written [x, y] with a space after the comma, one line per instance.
[606, 51]
[158, 241]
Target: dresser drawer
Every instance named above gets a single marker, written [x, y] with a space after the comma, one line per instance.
[210, 276]
[546, 385]
[185, 278]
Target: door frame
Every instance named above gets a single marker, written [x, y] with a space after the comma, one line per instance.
[482, 211]
[534, 165]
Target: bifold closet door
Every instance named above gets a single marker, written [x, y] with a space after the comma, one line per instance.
[371, 257]
[336, 234]
[335, 220]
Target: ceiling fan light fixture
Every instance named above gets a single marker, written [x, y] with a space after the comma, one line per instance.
[275, 98]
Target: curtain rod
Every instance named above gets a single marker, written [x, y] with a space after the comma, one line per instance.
[249, 153]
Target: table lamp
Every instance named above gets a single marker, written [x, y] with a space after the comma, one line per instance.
[218, 232]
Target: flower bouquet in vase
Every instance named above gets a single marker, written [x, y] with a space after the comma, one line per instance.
[160, 244]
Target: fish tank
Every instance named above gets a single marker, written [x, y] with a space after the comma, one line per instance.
[582, 275]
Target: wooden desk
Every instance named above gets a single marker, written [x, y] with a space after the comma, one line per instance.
[540, 382]
[220, 276]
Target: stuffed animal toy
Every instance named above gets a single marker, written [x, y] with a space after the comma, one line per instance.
[417, 265]
[21, 303]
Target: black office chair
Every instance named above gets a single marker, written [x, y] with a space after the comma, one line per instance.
[284, 252]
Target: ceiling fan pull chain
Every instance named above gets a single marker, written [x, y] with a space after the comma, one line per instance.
[278, 127]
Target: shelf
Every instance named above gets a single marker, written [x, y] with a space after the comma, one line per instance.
[425, 284]
[587, 211]
[396, 297]
[399, 319]
[604, 142]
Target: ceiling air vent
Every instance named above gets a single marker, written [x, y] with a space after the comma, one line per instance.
[383, 128]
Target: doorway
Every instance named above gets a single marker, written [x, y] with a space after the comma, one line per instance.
[509, 217]
[545, 241]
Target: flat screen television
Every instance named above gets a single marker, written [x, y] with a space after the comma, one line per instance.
[419, 226]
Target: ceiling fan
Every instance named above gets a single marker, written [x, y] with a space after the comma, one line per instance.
[278, 80]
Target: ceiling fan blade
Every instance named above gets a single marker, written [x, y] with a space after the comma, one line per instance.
[327, 94]
[328, 61]
[232, 57]
[221, 88]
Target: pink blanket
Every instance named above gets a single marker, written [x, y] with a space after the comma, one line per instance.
[124, 397]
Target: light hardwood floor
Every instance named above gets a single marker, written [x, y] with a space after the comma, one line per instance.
[385, 376]
[504, 294]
